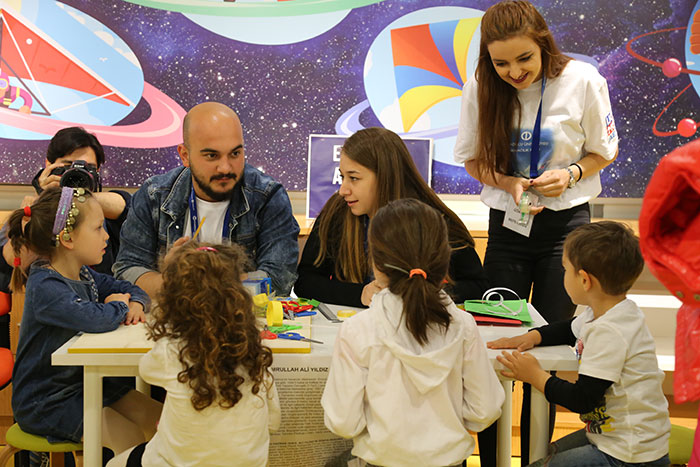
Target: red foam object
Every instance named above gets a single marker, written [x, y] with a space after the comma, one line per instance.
[5, 303]
[6, 364]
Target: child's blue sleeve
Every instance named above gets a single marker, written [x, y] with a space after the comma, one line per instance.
[108, 285]
[55, 304]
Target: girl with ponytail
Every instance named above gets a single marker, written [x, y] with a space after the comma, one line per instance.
[413, 363]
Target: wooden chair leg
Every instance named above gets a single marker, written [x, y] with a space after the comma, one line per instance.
[58, 459]
[7, 453]
[78, 456]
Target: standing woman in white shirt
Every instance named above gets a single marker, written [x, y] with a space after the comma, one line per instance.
[525, 90]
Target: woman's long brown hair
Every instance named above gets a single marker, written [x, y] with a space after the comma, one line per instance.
[499, 108]
[404, 235]
[383, 152]
[204, 305]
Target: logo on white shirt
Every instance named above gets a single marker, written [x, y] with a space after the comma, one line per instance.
[610, 126]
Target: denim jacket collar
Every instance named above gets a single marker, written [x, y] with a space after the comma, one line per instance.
[175, 204]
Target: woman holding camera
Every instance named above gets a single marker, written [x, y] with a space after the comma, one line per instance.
[74, 148]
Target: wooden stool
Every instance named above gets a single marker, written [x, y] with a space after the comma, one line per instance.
[18, 440]
[680, 444]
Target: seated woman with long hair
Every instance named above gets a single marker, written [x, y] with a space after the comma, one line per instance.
[376, 168]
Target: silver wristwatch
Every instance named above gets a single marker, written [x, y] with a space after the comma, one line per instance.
[572, 179]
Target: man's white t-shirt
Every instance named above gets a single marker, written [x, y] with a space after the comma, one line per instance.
[215, 213]
[632, 424]
[576, 120]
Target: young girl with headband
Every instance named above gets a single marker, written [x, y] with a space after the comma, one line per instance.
[64, 228]
[410, 375]
[221, 399]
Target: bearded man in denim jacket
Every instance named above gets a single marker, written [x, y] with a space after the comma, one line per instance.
[240, 204]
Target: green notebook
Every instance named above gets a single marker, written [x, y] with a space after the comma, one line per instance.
[493, 308]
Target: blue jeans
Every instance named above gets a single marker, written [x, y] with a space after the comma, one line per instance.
[575, 450]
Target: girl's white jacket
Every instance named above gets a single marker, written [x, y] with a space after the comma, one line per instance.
[403, 403]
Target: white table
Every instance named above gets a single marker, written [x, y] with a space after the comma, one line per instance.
[95, 367]
[552, 358]
[99, 365]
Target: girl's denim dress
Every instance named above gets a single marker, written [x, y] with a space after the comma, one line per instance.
[48, 400]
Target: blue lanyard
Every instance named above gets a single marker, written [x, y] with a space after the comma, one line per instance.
[194, 219]
[535, 147]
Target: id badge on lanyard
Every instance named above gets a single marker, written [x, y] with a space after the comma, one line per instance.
[194, 218]
[516, 219]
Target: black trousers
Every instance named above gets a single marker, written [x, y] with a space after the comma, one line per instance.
[530, 265]
[135, 456]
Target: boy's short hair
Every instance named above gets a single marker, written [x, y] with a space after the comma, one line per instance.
[607, 250]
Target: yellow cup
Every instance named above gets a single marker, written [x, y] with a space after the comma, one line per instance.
[274, 313]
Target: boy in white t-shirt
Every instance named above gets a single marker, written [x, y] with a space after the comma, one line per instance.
[618, 392]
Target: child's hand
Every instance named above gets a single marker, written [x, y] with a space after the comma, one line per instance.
[522, 342]
[369, 291]
[523, 367]
[135, 314]
[176, 244]
[118, 297]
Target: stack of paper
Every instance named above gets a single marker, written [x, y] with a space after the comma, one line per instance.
[505, 312]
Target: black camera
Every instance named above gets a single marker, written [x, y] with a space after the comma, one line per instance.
[79, 174]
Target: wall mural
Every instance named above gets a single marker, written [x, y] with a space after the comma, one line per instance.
[128, 71]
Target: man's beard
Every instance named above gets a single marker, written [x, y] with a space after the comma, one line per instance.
[206, 187]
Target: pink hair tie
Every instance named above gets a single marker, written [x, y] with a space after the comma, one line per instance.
[27, 211]
[207, 248]
[419, 272]
[17, 261]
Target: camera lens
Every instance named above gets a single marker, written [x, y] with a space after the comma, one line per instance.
[77, 178]
[81, 175]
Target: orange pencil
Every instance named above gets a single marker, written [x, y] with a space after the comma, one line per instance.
[196, 232]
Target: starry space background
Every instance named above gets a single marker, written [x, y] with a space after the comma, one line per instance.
[284, 93]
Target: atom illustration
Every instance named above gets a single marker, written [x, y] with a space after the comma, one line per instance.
[671, 68]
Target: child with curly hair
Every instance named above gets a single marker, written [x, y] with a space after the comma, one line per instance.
[221, 399]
